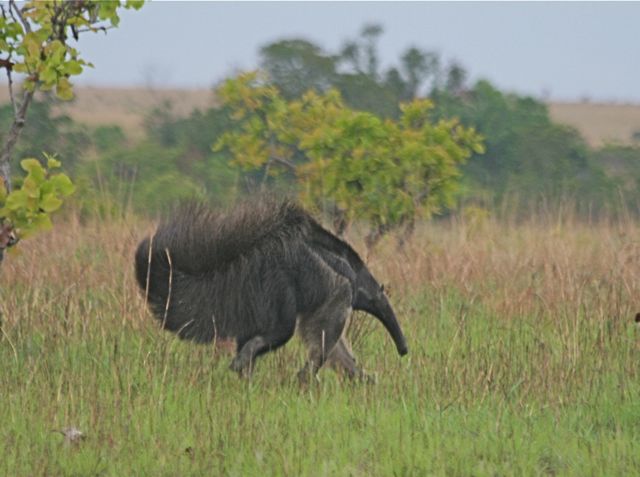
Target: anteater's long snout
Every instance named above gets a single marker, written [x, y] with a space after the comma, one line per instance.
[399, 339]
[402, 348]
[390, 322]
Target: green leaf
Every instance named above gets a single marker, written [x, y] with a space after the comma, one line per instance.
[72, 67]
[63, 184]
[20, 68]
[36, 172]
[64, 89]
[135, 4]
[42, 222]
[48, 76]
[30, 165]
[32, 45]
[50, 203]
[56, 51]
[52, 162]
[18, 199]
[39, 176]
[31, 188]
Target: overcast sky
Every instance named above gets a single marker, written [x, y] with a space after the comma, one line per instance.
[567, 51]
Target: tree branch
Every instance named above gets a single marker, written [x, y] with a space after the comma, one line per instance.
[19, 112]
[13, 9]
[12, 139]
[11, 94]
[95, 29]
[284, 162]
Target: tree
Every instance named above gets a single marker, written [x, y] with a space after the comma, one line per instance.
[352, 164]
[456, 79]
[362, 55]
[418, 66]
[621, 165]
[529, 161]
[34, 43]
[296, 66]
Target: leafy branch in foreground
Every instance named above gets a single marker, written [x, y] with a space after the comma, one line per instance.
[27, 209]
[34, 43]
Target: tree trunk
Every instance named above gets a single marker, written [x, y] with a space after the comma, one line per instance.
[12, 139]
[7, 237]
[340, 222]
[406, 234]
[374, 236]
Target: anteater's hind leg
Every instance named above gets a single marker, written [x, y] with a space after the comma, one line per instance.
[282, 328]
[244, 361]
[341, 358]
[322, 329]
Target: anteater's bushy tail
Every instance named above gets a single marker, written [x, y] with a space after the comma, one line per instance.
[165, 288]
[177, 266]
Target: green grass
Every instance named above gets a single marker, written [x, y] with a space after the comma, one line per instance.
[507, 374]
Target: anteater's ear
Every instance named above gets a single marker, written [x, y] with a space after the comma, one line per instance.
[382, 288]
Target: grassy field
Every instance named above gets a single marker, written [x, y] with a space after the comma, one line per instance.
[524, 360]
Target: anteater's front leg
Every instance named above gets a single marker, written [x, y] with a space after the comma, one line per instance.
[322, 329]
[341, 358]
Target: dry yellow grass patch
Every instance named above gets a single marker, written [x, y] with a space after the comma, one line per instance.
[599, 123]
[127, 107]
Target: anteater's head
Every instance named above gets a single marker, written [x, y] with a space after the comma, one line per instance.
[371, 297]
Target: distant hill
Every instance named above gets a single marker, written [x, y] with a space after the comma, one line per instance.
[127, 107]
[598, 123]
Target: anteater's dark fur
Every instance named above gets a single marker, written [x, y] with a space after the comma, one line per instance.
[251, 274]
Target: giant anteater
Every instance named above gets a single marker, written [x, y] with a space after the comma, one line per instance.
[254, 274]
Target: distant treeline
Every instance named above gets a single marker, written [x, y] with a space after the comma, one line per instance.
[530, 163]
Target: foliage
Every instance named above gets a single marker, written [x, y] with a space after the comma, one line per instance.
[529, 159]
[381, 171]
[34, 38]
[621, 166]
[295, 66]
[151, 177]
[34, 43]
[147, 176]
[174, 162]
[531, 162]
[28, 208]
[108, 137]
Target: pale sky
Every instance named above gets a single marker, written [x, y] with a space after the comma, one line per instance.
[568, 51]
